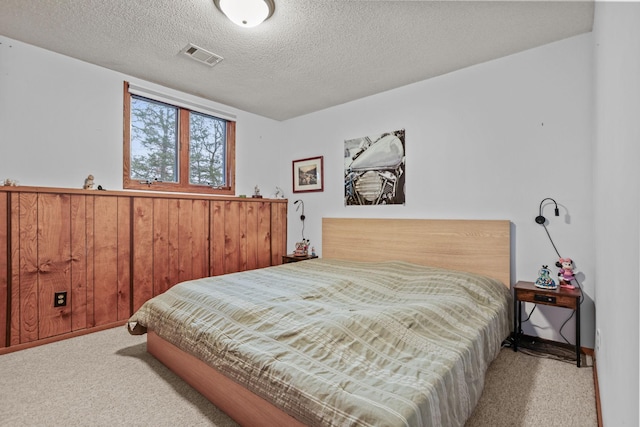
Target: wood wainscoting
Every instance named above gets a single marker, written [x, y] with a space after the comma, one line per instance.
[110, 251]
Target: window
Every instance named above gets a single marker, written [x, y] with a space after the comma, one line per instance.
[170, 147]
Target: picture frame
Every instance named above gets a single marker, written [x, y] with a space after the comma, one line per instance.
[308, 175]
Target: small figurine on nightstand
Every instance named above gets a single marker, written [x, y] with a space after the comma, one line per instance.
[302, 248]
[544, 280]
[566, 273]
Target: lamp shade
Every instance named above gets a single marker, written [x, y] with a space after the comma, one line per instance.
[246, 13]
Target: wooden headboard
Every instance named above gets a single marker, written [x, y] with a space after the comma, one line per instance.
[476, 246]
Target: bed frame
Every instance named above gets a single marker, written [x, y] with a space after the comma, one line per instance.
[476, 246]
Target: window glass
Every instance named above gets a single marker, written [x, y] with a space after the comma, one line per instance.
[207, 141]
[154, 140]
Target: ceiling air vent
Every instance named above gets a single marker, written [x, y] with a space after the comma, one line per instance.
[201, 55]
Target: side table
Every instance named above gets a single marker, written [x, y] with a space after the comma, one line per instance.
[560, 297]
[294, 258]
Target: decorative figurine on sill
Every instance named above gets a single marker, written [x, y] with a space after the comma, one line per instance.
[544, 279]
[279, 194]
[256, 193]
[565, 274]
[88, 183]
[10, 183]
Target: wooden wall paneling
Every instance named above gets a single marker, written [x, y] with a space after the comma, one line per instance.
[124, 258]
[200, 238]
[54, 263]
[142, 250]
[90, 238]
[4, 268]
[14, 276]
[252, 212]
[232, 237]
[163, 263]
[217, 238]
[105, 261]
[173, 240]
[24, 268]
[185, 240]
[113, 251]
[181, 228]
[78, 296]
[264, 235]
[242, 236]
[278, 232]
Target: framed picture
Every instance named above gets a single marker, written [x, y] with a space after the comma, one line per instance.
[308, 175]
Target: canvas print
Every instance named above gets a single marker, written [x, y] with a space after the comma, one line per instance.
[374, 169]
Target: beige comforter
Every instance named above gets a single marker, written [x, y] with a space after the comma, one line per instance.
[337, 343]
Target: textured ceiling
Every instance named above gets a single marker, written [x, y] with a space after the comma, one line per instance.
[308, 56]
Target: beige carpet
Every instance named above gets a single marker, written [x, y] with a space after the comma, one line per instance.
[108, 379]
[534, 390]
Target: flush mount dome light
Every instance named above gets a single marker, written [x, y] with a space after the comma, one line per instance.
[246, 13]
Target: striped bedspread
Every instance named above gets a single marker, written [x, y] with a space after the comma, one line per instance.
[339, 343]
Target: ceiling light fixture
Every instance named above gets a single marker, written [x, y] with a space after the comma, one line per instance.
[246, 13]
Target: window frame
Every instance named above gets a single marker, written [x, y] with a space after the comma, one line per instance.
[183, 185]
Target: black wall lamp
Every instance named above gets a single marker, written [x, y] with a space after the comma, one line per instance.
[541, 219]
[302, 217]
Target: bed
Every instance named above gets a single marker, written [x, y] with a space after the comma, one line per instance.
[395, 325]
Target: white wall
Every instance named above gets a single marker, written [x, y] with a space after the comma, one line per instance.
[617, 214]
[488, 142]
[61, 120]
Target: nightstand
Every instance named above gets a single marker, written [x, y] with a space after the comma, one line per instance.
[560, 297]
[294, 258]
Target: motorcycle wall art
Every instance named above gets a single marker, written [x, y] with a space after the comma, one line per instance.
[374, 170]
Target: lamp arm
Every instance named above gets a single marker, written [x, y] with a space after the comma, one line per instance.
[540, 219]
[302, 216]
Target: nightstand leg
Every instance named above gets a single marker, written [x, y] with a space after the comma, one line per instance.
[516, 323]
[578, 332]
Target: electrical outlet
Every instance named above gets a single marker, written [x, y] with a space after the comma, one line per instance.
[59, 299]
[598, 339]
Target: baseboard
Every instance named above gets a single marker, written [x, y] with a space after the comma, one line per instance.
[18, 347]
[597, 390]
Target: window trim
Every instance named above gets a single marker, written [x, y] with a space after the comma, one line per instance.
[183, 185]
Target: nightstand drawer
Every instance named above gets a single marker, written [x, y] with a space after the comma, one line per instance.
[547, 298]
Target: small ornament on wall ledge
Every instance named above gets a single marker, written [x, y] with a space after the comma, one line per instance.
[256, 193]
[279, 194]
[88, 183]
[10, 183]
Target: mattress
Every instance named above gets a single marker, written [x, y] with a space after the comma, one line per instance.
[340, 343]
